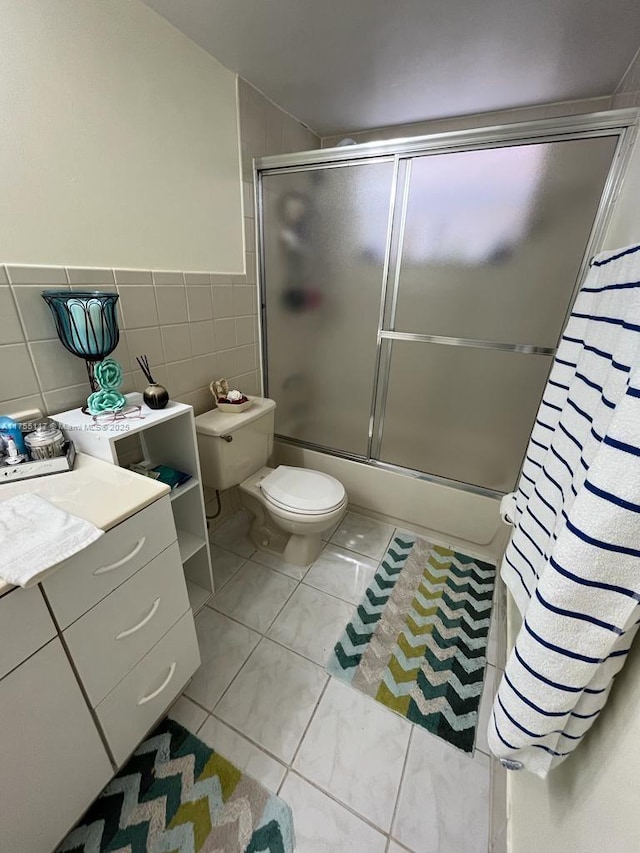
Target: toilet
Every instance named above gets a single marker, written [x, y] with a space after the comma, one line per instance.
[290, 507]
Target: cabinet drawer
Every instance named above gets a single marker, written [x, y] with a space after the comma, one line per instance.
[25, 626]
[136, 704]
[84, 579]
[109, 640]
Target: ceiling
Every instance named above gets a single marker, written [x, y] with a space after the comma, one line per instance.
[341, 65]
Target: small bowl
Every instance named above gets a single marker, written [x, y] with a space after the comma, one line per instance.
[234, 408]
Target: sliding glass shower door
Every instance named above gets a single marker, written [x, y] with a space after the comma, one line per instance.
[413, 301]
[322, 283]
[492, 242]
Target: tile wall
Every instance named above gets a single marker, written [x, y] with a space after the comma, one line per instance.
[194, 327]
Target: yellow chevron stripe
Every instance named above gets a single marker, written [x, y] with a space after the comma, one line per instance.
[228, 774]
[418, 630]
[408, 650]
[197, 814]
[444, 552]
[441, 567]
[440, 576]
[425, 611]
[399, 704]
[401, 676]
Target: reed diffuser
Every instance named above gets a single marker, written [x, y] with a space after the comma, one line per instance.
[155, 395]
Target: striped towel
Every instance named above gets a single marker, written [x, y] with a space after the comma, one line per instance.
[573, 562]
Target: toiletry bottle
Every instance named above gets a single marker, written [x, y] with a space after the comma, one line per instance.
[11, 429]
[13, 457]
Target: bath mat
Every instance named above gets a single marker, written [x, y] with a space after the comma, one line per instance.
[417, 642]
[176, 794]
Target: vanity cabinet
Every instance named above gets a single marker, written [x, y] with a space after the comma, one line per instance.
[25, 626]
[118, 605]
[89, 662]
[52, 758]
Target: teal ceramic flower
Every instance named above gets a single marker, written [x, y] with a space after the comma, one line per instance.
[105, 400]
[108, 374]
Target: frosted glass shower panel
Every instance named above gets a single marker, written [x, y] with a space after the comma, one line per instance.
[462, 413]
[322, 288]
[494, 239]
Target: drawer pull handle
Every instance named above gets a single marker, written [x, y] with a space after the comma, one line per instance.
[147, 618]
[164, 684]
[103, 569]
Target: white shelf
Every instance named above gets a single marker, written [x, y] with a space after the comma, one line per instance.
[188, 544]
[198, 596]
[76, 420]
[185, 487]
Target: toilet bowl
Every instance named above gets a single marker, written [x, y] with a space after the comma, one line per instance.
[291, 509]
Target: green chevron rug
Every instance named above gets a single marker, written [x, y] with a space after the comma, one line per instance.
[176, 795]
[417, 642]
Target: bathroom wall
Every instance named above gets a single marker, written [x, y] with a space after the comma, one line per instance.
[118, 141]
[590, 802]
[193, 326]
[624, 227]
[627, 93]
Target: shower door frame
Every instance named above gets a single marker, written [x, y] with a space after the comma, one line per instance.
[623, 123]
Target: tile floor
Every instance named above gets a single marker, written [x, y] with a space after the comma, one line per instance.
[358, 777]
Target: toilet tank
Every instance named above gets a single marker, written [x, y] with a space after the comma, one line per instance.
[233, 446]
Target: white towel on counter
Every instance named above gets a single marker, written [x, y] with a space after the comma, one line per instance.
[35, 536]
[573, 561]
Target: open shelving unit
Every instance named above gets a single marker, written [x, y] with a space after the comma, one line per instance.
[165, 437]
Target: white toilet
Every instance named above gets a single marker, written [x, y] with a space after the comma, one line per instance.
[291, 507]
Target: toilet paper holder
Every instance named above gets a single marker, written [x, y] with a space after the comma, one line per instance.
[508, 508]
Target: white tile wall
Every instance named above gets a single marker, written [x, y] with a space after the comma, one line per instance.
[171, 323]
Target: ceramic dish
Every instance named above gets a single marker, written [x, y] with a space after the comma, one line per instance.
[234, 407]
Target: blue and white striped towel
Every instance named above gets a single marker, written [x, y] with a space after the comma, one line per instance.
[573, 562]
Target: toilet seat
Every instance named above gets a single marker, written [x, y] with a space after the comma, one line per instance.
[299, 490]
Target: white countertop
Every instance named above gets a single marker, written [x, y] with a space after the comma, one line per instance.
[101, 493]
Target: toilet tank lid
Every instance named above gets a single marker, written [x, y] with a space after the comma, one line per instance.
[220, 423]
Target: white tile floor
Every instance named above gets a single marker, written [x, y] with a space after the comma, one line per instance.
[358, 777]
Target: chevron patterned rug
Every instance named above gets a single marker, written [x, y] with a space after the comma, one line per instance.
[417, 642]
[176, 795]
